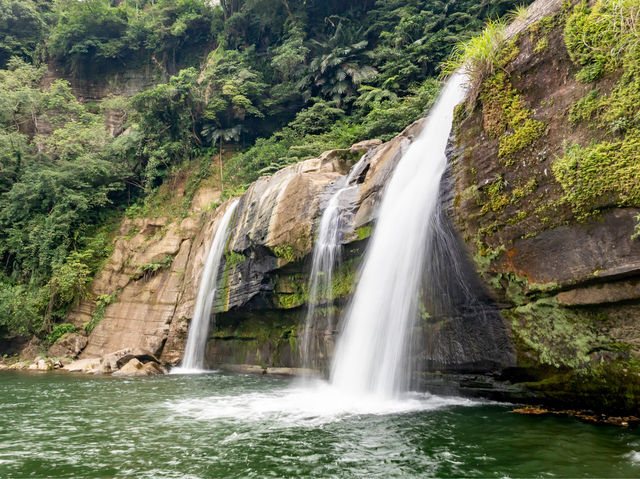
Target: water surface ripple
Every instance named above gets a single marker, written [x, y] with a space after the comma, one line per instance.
[233, 426]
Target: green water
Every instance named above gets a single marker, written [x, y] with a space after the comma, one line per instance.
[215, 425]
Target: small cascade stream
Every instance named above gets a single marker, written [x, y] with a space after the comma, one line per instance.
[371, 355]
[193, 360]
[326, 254]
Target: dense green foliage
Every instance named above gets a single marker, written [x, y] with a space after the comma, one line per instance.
[282, 80]
[604, 40]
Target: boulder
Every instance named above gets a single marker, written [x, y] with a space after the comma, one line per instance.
[89, 365]
[68, 346]
[110, 361]
[134, 367]
[140, 354]
[19, 365]
[40, 364]
[32, 349]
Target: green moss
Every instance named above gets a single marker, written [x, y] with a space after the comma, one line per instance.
[604, 39]
[290, 336]
[497, 198]
[506, 117]
[276, 331]
[541, 45]
[611, 386]
[585, 108]
[600, 174]
[290, 291]
[233, 258]
[598, 37]
[364, 232]
[590, 73]
[558, 336]
[344, 280]
[544, 26]
[223, 290]
[484, 257]
[523, 191]
[523, 135]
[521, 215]
[285, 252]
[618, 112]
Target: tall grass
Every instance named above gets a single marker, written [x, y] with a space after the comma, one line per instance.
[520, 13]
[478, 57]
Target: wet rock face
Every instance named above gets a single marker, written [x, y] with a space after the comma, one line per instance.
[262, 283]
[600, 249]
[566, 282]
[151, 281]
[461, 328]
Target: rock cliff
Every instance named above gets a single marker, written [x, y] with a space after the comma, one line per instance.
[548, 307]
[551, 233]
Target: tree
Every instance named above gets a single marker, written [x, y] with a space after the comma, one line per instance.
[233, 92]
[341, 65]
[22, 30]
[164, 119]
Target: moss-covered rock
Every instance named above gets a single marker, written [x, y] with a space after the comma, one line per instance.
[547, 180]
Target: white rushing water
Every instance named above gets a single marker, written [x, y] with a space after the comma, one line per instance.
[371, 353]
[193, 360]
[326, 253]
[307, 405]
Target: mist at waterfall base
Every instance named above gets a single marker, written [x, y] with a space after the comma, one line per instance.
[193, 361]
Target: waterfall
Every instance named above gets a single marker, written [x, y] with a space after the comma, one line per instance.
[326, 253]
[372, 352]
[199, 327]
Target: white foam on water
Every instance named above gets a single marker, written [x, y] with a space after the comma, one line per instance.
[180, 370]
[633, 457]
[308, 405]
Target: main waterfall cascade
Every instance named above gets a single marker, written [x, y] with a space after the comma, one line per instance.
[199, 328]
[371, 355]
[326, 255]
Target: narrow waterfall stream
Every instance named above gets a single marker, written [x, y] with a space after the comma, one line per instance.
[193, 360]
[326, 253]
[371, 353]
